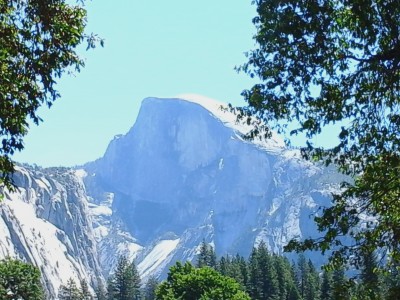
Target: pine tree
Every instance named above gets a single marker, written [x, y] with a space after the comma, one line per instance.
[370, 285]
[301, 275]
[244, 271]
[111, 289]
[207, 256]
[235, 271]
[150, 288]
[286, 280]
[269, 286]
[326, 286]
[100, 291]
[253, 288]
[86, 295]
[312, 283]
[222, 265]
[124, 284]
[135, 279]
[340, 290]
[70, 291]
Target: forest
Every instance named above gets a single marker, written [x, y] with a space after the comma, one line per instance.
[261, 276]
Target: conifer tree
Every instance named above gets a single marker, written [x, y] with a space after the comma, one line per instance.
[86, 295]
[267, 276]
[312, 283]
[70, 291]
[302, 274]
[268, 273]
[100, 291]
[308, 279]
[124, 284]
[135, 277]
[150, 288]
[207, 256]
[253, 283]
[223, 265]
[340, 290]
[111, 289]
[286, 280]
[235, 270]
[326, 286]
[244, 271]
[370, 285]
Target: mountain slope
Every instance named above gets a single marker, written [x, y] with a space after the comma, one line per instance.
[46, 222]
[183, 173]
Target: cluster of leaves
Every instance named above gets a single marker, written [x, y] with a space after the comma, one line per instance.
[188, 282]
[337, 62]
[19, 281]
[38, 41]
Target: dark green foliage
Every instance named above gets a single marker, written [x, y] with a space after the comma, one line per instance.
[307, 279]
[340, 287]
[111, 288]
[392, 283]
[86, 295]
[326, 62]
[370, 285]
[100, 291]
[124, 284]
[223, 265]
[238, 270]
[150, 288]
[267, 275]
[270, 276]
[326, 286]
[312, 283]
[253, 283]
[37, 45]
[206, 256]
[186, 282]
[19, 281]
[286, 279]
[70, 291]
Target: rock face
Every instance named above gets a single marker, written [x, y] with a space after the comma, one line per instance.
[181, 175]
[46, 222]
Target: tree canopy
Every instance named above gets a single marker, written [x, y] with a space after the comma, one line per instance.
[38, 41]
[327, 62]
[189, 283]
[19, 280]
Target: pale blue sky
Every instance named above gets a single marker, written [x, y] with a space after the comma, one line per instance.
[152, 48]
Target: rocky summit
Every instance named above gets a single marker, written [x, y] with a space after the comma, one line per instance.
[181, 175]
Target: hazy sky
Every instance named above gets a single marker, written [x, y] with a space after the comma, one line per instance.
[152, 48]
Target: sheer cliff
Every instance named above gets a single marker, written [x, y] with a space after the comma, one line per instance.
[182, 174]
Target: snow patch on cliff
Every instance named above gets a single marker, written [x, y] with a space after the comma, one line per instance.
[157, 257]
